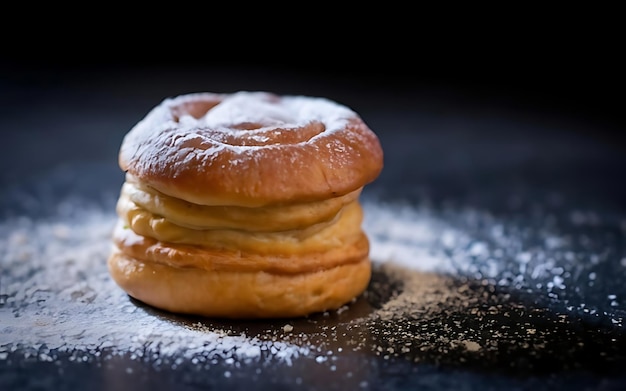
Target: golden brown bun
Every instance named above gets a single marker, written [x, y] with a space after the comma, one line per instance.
[238, 295]
[290, 149]
[244, 205]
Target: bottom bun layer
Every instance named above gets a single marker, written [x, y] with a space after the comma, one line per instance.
[238, 295]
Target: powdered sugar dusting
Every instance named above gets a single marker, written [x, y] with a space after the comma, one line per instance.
[243, 121]
[269, 111]
[248, 108]
[57, 299]
[539, 256]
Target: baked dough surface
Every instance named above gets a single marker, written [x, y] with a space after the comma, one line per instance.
[244, 205]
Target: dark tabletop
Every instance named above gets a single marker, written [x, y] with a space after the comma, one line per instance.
[498, 230]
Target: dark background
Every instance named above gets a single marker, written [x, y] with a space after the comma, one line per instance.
[447, 86]
[513, 102]
[70, 92]
[575, 75]
[563, 62]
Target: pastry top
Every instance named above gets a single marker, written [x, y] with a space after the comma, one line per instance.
[251, 149]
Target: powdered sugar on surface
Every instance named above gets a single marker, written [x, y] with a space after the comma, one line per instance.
[57, 299]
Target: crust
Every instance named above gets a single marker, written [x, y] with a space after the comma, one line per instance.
[227, 294]
[328, 153]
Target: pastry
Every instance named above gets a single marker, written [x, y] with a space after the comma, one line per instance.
[244, 205]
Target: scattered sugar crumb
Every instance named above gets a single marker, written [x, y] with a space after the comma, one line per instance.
[442, 283]
[471, 346]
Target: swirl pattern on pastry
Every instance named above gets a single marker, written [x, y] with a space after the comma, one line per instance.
[251, 149]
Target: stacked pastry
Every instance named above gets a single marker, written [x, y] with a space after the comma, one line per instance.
[245, 205]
